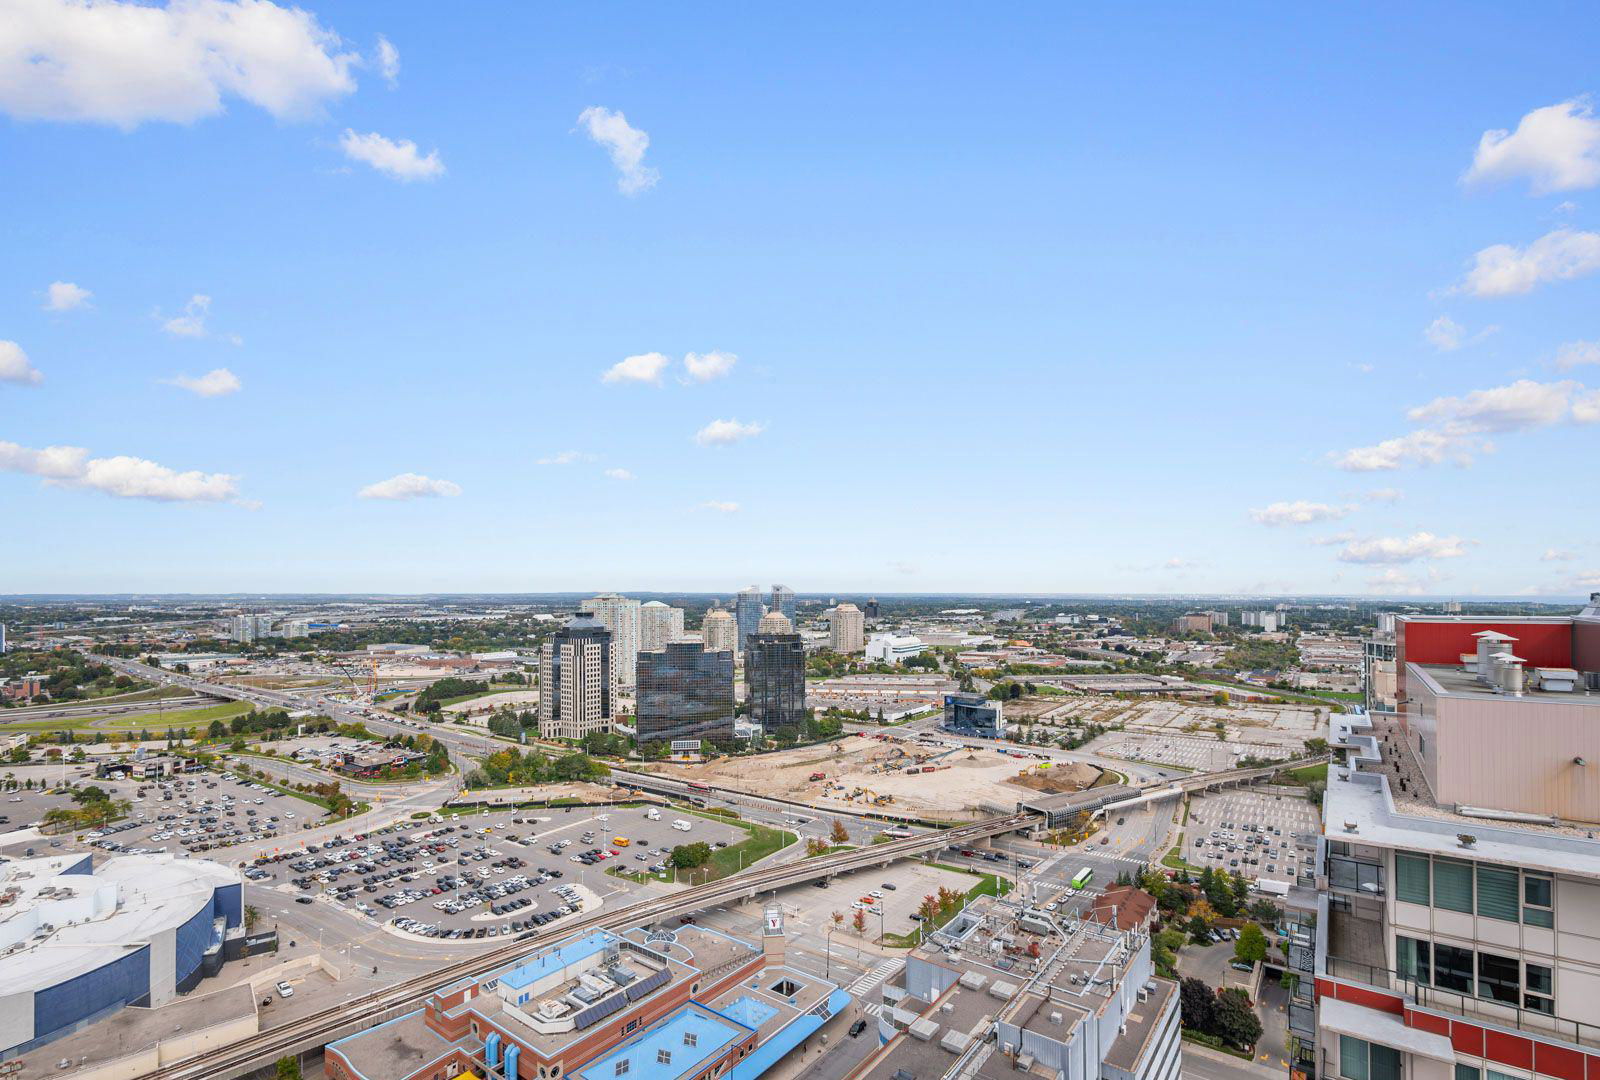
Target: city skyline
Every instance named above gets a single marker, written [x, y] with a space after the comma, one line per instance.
[1271, 303]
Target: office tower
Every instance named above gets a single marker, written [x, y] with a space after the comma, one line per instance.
[871, 610]
[846, 629]
[782, 601]
[775, 674]
[659, 626]
[619, 615]
[747, 612]
[720, 631]
[685, 692]
[1458, 881]
[575, 680]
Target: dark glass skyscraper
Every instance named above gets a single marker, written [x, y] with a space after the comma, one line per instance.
[775, 679]
[685, 692]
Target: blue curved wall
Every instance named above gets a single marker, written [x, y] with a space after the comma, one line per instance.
[193, 938]
[124, 981]
[228, 902]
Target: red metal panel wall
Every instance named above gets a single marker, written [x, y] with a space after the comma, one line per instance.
[1540, 644]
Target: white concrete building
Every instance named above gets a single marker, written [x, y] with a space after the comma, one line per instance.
[893, 648]
[619, 615]
[577, 690]
[659, 626]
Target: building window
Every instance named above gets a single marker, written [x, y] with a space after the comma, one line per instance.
[1497, 893]
[629, 1026]
[1452, 885]
[1468, 1072]
[1499, 978]
[1413, 958]
[1452, 968]
[1537, 901]
[663, 1057]
[1361, 1060]
[1540, 985]
[690, 1039]
[1411, 879]
[622, 1067]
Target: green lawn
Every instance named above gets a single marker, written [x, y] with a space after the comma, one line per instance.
[156, 722]
[1311, 774]
[725, 862]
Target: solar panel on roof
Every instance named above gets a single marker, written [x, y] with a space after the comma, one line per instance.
[599, 1011]
[640, 989]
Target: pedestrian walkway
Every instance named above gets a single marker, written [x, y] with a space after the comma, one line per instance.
[875, 977]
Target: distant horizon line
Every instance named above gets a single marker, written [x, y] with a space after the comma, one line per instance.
[1368, 598]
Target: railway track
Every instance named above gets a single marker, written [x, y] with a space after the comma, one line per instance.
[318, 1029]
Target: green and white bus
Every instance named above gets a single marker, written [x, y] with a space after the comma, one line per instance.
[1081, 878]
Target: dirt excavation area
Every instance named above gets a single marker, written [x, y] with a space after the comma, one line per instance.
[913, 777]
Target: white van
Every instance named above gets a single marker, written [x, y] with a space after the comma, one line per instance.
[682, 825]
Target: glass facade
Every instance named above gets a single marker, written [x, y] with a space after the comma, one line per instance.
[685, 692]
[973, 715]
[775, 680]
[747, 612]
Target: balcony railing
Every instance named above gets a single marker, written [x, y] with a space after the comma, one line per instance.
[1465, 1005]
[1355, 875]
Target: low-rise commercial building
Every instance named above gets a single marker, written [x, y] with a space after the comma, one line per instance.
[1002, 992]
[79, 942]
[974, 715]
[690, 1003]
[894, 648]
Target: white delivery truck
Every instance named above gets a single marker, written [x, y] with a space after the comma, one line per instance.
[682, 825]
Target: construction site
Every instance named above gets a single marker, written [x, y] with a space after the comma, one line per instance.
[915, 777]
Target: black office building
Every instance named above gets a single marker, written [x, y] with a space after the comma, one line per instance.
[775, 680]
[685, 692]
[973, 715]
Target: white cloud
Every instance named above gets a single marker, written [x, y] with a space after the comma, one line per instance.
[410, 486]
[123, 477]
[1424, 447]
[644, 368]
[626, 146]
[1403, 549]
[388, 61]
[1507, 270]
[1455, 426]
[1557, 555]
[15, 366]
[1589, 579]
[1445, 334]
[215, 383]
[703, 367]
[1577, 353]
[565, 457]
[1335, 539]
[123, 63]
[1299, 512]
[1557, 148]
[398, 160]
[1395, 583]
[720, 506]
[1517, 406]
[192, 323]
[619, 474]
[726, 432]
[65, 296]
[1385, 495]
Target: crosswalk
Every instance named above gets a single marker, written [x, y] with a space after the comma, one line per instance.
[875, 977]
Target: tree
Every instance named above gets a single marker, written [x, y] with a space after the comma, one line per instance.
[840, 834]
[1265, 911]
[1234, 1020]
[1251, 948]
[689, 856]
[860, 921]
[217, 730]
[815, 846]
[251, 917]
[1197, 1004]
[838, 918]
[288, 1068]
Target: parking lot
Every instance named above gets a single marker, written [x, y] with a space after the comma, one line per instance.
[202, 813]
[486, 875]
[1196, 753]
[1254, 833]
[888, 895]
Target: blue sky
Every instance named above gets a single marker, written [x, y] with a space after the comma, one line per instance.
[1045, 301]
